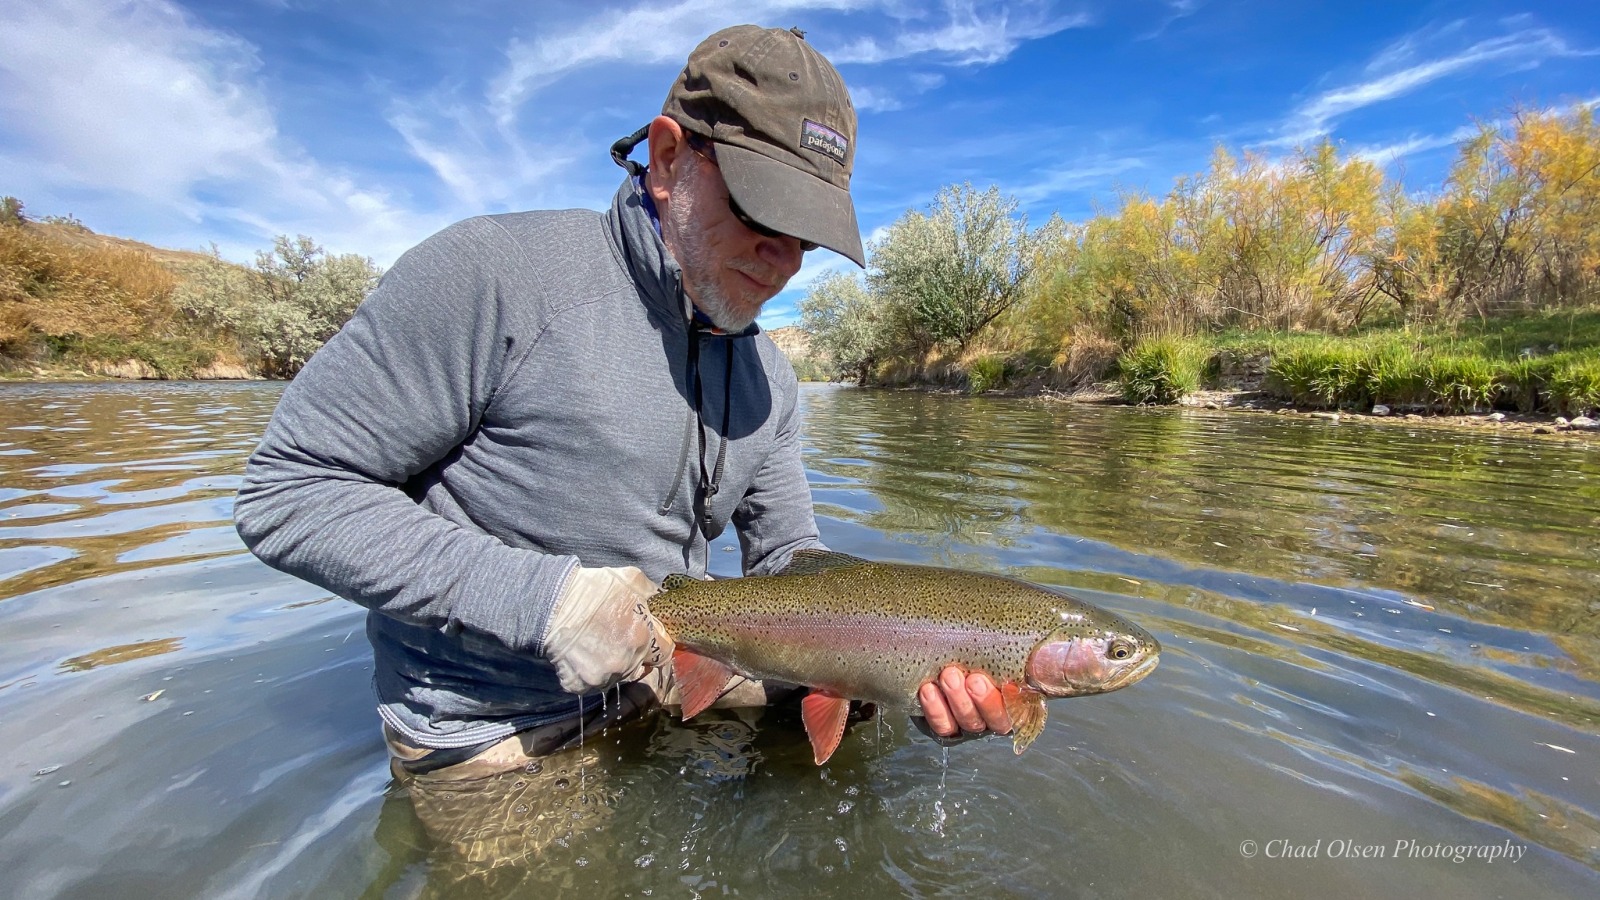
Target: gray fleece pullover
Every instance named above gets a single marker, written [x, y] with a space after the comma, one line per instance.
[518, 395]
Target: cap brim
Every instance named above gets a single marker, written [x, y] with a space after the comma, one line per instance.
[790, 201]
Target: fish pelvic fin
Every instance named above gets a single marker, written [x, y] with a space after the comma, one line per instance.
[824, 715]
[814, 561]
[1025, 706]
[700, 680]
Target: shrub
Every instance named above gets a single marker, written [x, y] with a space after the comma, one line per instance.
[1575, 387]
[1344, 376]
[1400, 378]
[986, 373]
[1524, 384]
[1461, 383]
[1161, 370]
[1090, 358]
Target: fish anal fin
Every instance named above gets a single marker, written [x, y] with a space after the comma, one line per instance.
[1025, 706]
[824, 715]
[700, 680]
[813, 561]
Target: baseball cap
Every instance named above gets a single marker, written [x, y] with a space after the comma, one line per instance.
[785, 131]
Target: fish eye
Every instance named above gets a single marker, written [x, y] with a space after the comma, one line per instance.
[1120, 650]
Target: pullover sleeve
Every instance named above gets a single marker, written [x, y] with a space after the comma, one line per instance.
[400, 387]
[775, 518]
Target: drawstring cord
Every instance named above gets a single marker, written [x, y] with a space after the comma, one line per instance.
[710, 479]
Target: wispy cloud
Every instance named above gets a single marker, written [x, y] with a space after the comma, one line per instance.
[1397, 71]
[1176, 9]
[652, 33]
[484, 166]
[873, 99]
[1094, 175]
[137, 100]
[1387, 154]
[971, 34]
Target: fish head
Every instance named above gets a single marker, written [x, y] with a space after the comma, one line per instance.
[1091, 652]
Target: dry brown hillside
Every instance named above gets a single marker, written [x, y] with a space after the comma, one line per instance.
[793, 341]
[84, 238]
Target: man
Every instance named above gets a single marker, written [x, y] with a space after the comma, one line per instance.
[537, 416]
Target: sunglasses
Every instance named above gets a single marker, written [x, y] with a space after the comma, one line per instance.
[708, 151]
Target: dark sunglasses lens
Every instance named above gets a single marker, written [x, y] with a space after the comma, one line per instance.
[748, 222]
[758, 228]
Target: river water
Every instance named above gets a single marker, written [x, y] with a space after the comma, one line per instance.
[1381, 675]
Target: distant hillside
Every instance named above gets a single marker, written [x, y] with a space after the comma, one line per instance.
[79, 236]
[76, 304]
[795, 342]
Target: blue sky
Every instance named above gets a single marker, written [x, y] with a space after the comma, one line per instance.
[369, 125]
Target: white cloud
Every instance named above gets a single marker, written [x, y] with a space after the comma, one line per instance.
[484, 166]
[1385, 154]
[131, 97]
[871, 99]
[970, 35]
[649, 34]
[1396, 71]
[138, 102]
[1176, 9]
[1095, 175]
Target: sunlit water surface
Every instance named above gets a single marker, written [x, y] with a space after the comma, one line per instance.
[1379, 642]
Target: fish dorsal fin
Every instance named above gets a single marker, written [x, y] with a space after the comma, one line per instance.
[672, 582]
[814, 561]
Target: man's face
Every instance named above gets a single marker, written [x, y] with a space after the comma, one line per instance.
[729, 270]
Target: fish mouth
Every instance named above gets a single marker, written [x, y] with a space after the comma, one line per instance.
[1135, 674]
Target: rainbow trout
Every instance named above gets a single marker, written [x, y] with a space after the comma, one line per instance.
[851, 629]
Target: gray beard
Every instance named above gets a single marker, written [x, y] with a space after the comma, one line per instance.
[693, 256]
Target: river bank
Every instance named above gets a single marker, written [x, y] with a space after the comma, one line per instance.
[1260, 402]
[125, 370]
[1581, 429]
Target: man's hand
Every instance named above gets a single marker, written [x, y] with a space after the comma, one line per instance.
[601, 631]
[960, 702]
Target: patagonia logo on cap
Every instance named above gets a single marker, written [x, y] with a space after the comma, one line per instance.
[824, 140]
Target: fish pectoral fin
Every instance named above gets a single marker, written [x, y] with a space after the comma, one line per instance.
[700, 680]
[1025, 706]
[825, 715]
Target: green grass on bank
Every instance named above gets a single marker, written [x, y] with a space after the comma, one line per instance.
[1548, 362]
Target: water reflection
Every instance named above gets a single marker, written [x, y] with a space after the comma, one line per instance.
[1375, 635]
[121, 653]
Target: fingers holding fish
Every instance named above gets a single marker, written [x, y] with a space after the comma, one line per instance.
[989, 702]
[959, 701]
